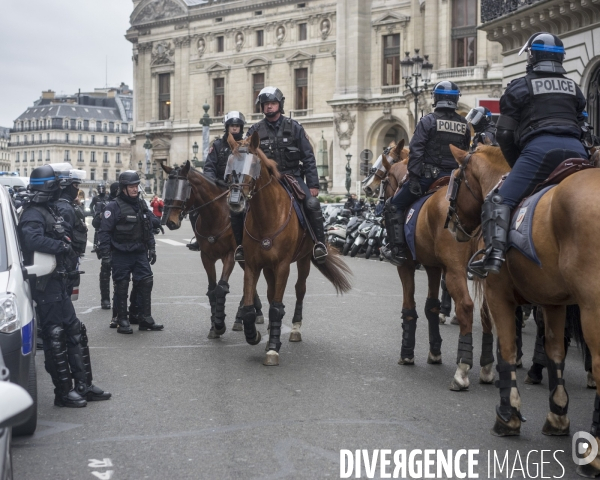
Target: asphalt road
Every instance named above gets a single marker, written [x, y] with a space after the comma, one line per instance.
[185, 407]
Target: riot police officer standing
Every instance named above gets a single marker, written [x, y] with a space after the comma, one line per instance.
[126, 235]
[483, 126]
[283, 140]
[429, 158]
[538, 128]
[97, 207]
[66, 351]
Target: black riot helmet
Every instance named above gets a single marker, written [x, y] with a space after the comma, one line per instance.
[445, 95]
[129, 177]
[44, 182]
[234, 118]
[479, 117]
[101, 189]
[114, 189]
[271, 94]
[545, 53]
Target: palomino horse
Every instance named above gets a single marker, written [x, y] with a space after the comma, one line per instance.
[273, 240]
[565, 229]
[191, 192]
[437, 252]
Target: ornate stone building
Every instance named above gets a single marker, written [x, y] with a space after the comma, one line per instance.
[337, 62]
[89, 130]
[576, 22]
[4, 154]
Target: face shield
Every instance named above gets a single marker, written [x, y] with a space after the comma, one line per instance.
[474, 116]
[176, 189]
[240, 165]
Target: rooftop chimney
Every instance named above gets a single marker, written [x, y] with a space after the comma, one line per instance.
[49, 95]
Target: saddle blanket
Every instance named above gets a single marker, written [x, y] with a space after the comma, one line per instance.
[296, 205]
[410, 224]
[521, 228]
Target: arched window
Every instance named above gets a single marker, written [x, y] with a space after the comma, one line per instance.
[593, 101]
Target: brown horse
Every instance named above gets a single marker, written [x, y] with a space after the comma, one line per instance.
[193, 193]
[273, 240]
[565, 229]
[437, 252]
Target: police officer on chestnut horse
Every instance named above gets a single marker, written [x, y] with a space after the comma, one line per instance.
[284, 141]
[480, 118]
[429, 158]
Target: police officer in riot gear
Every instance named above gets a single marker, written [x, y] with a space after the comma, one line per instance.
[66, 351]
[429, 159]
[216, 162]
[97, 206]
[538, 128]
[483, 126]
[284, 140]
[126, 235]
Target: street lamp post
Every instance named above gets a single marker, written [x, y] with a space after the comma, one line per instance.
[195, 160]
[148, 148]
[205, 121]
[348, 173]
[416, 67]
[323, 163]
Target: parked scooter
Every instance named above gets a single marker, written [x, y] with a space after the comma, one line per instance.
[376, 237]
[351, 232]
[362, 235]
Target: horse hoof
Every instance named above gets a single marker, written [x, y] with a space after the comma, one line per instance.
[486, 374]
[295, 335]
[256, 340]
[458, 387]
[434, 359]
[454, 320]
[554, 430]
[212, 335]
[587, 471]
[510, 429]
[460, 381]
[406, 361]
[591, 383]
[271, 359]
[237, 327]
[442, 318]
[260, 319]
[533, 381]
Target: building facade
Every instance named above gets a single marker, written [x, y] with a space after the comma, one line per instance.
[4, 154]
[576, 23]
[89, 130]
[337, 63]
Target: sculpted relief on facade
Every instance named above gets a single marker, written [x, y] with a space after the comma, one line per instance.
[344, 126]
[159, 10]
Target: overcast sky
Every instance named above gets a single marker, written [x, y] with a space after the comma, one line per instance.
[60, 45]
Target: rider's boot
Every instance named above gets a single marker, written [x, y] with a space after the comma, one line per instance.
[120, 299]
[495, 223]
[395, 252]
[105, 285]
[237, 226]
[314, 216]
[145, 302]
[193, 245]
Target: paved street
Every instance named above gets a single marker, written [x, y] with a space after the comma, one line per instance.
[185, 407]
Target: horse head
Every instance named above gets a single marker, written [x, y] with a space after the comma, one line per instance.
[381, 167]
[175, 195]
[246, 166]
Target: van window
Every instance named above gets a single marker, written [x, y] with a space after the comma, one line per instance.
[3, 252]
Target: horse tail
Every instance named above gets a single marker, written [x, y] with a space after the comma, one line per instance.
[336, 271]
[573, 325]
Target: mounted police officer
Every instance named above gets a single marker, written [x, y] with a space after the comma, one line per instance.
[538, 128]
[66, 351]
[429, 158]
[284, 141]
[216, 162]
[126, 236]
[483, 126]
[70, 179]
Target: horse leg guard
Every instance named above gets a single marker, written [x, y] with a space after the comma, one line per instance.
[276, 313]
[145, 295]
[540, 360]
[464, 360]
[409, 328]
[105, 286]
[432, 312]
[486, 361]
[239, 317]
[86, 388]
[592, 470]
[249, 321]
[557, 422]
[508, 416]
[519, 339]
[295, 334]
[446, 305]
[260, 318]
[220, 292]
[213, 309]
[587, 360]
[121, 291]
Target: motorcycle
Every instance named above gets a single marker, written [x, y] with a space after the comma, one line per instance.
[362, 234]
[376, 237]
[351, 231]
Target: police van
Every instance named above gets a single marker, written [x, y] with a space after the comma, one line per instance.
[11, 180]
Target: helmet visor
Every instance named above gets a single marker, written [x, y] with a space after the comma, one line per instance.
[176, 189]
[474, 117]
[243, 164]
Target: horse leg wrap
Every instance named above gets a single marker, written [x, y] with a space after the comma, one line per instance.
[446, 305]
[220, 292]
[554, 380]
[505, 410]
[213, 301]
[487, 349]
[595, 429]
[539, 353]
[297, 313]
[276, 313]
[465, 349]
[249, 321]
[432, 312]
[257, 304]
[409, 329]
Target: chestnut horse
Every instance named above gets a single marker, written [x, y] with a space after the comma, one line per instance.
[565, 229]
[273, 240]
[438, 253]
[213, 231]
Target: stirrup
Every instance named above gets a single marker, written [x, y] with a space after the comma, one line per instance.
[193, 246]
[320, 252]
[477, 267]
[396, 259]
[238, 256]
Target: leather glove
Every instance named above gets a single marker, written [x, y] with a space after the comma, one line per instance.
[222, 183]
[152, 256]
[414, 186]
[67, 250]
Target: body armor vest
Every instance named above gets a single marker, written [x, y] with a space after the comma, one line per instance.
[450, 130]
[131, 225]
[281, 147]
[223, 151]
[552, 102]
[79, 240]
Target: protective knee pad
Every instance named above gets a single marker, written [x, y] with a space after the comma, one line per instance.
[504, 383]
[409, 329]
[432, 312]
[312, 203]
[276, 313]
[553, 382]
[465, 349]
[487, 349]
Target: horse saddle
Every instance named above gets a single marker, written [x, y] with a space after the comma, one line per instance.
[439, 183]
[297, 195]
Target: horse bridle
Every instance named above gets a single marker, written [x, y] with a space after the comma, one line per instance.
[452, 195]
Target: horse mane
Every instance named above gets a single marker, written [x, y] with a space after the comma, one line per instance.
[270, 165]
